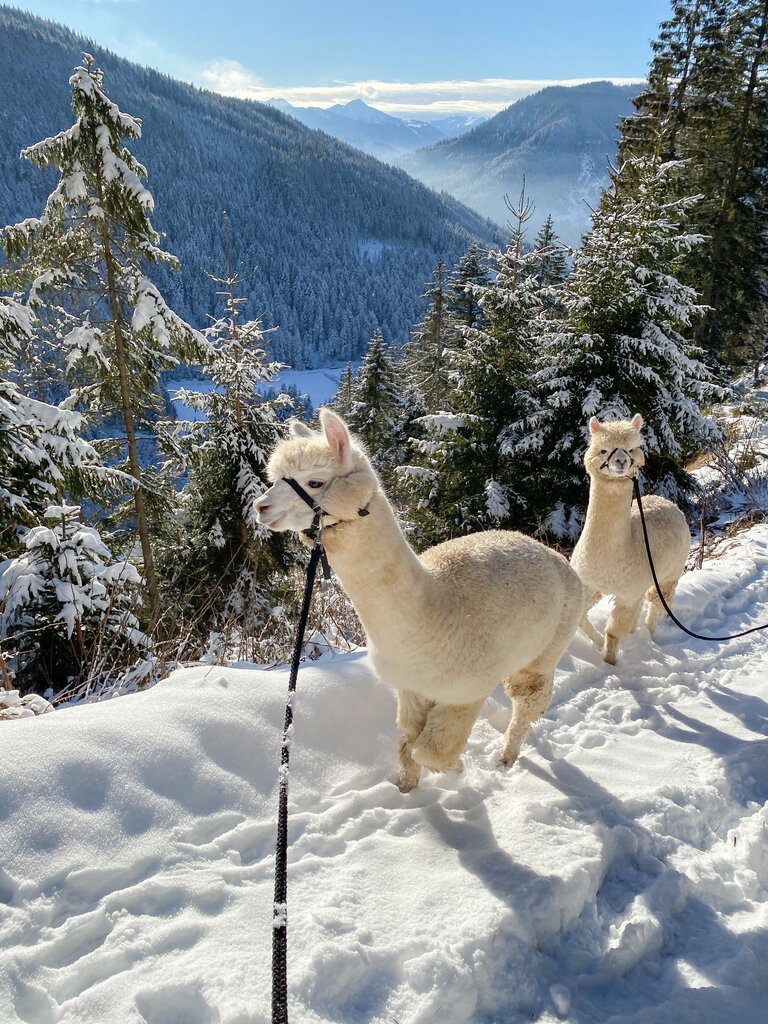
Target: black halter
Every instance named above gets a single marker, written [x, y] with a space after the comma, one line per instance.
[315, 531]
[618, 449]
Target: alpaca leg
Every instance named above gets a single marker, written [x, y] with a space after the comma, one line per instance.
[594, 634]
[655, 607]
[412, 711]
[622, 620]
[530, 692]
[445, 735]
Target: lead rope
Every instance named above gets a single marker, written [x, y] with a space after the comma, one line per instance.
[280, 908]
[677, 622]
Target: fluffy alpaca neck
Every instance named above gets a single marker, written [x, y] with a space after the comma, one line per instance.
[378, 569]
[608, 513]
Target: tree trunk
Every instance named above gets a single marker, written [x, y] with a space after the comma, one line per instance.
[142, 526]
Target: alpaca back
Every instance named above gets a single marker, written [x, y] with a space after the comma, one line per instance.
[492, 603]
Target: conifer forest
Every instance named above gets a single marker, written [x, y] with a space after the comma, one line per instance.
[129, 538]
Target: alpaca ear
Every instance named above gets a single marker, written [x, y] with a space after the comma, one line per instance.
[299, 429]
[337, 437]
[594, 425]
[637, 422]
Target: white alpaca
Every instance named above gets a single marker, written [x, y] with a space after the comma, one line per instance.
[610, 556]
[442, 628]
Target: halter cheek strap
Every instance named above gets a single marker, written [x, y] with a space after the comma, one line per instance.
[315, 531]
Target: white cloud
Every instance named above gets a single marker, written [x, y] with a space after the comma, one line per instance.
[484, 97]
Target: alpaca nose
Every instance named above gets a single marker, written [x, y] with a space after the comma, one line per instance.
[261, 505]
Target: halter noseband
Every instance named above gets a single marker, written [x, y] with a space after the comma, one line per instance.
[315, 531]
[618, 449]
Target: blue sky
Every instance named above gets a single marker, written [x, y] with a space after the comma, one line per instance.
[399, 55]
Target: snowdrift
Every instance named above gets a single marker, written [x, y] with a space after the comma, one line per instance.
[617, 873]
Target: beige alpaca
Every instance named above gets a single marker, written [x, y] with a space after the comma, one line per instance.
[445, 627]
[610, 556]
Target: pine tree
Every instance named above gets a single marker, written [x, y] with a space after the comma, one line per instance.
[618, 349]
[83, 262]
[462, 481]
[426, 357]
[218, 555]
[468, 273]
[706, 104]
[375, 415]
[67, 608]
[732, 91]
[548, 265]
[342, 400]
[41, 449]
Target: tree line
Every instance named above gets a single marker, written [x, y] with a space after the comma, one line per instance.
[477, 421]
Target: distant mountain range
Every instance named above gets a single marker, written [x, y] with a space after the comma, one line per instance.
[382, 135]
[560, 138]
[343, 243]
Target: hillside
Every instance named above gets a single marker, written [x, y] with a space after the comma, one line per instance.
[343, 243]
[560, 138]
[617, 874]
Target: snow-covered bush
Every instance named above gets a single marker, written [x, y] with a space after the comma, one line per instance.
[67, 607]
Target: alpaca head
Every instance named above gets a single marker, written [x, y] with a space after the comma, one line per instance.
[330, 467]
[615, 449]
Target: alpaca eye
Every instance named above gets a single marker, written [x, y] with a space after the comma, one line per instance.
[314, 484]
[603, 451]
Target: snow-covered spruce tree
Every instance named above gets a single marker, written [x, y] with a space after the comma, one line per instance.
[342, 400]
[83, 263]
[376, 411]
[468, 273]
[67, 609]
[618, 349]
[549, 266]
[707, 96]
[216, 559]
[40, 445]
[461, 480]
[427, 355]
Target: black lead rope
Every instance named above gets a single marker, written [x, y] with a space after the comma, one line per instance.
[280, 905]
[670, 613]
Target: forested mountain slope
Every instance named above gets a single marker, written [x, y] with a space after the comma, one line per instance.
[560, 138]
[343, 243]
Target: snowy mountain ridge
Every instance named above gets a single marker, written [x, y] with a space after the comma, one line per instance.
[381, 135]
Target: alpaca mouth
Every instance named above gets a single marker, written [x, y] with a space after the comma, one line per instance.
[271, 522]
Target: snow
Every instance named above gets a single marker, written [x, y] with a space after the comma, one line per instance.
[318, 385]
[617, 873]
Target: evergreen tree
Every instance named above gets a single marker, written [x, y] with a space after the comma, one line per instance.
[426, 357]
[468, 273]
[618, 349]
[83, 261]
[218, 556]
[548, 266]
[40, 445]
[376, 411]
[68, 608]
[342, 400]
[462, 480]
[706, 104]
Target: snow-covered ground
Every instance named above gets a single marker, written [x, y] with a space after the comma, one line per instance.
[617, 873]
[318, 385]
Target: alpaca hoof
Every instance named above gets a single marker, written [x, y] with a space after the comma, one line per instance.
[611, 649]
[508, 758]
[406, 784]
